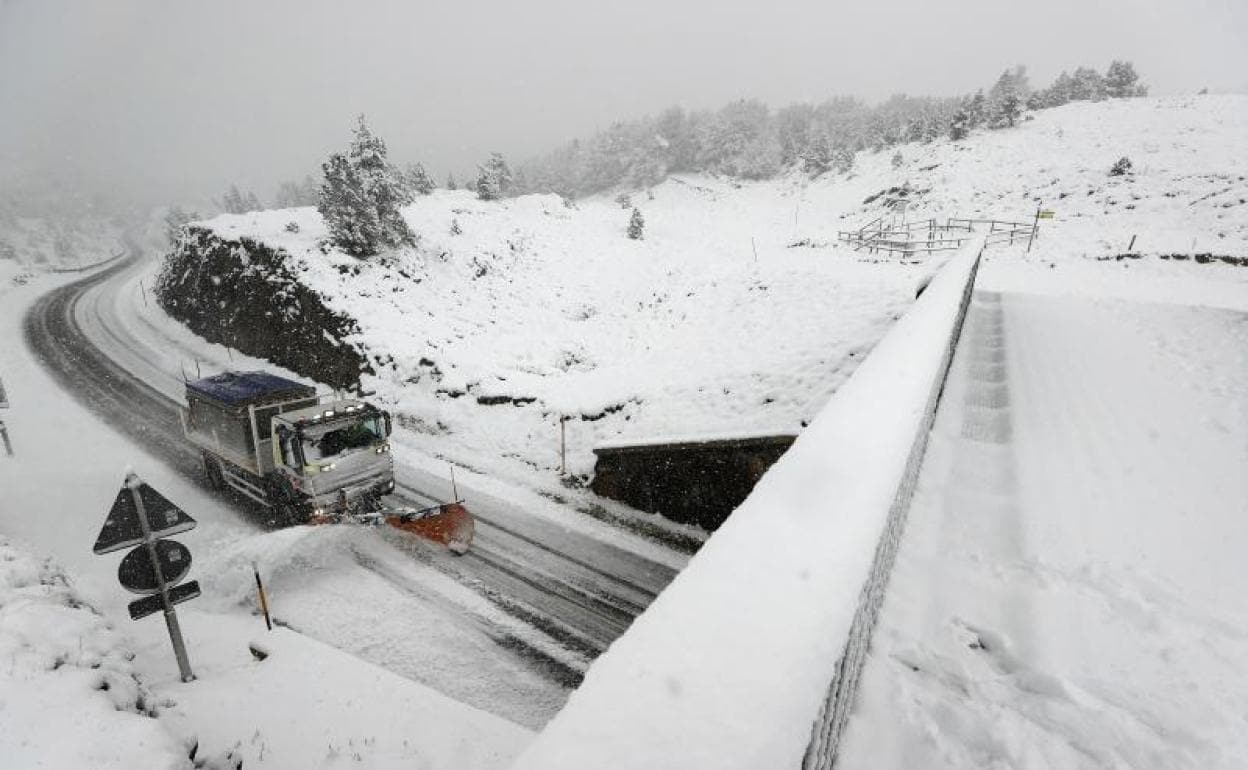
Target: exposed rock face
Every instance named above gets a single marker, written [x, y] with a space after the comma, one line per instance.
[244, 294]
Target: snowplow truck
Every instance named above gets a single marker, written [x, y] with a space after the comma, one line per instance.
[307, 460]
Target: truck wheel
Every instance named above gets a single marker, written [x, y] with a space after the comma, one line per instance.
[291, 514]
[213, 474]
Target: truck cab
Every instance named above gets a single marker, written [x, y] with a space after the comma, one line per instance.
[336, 455]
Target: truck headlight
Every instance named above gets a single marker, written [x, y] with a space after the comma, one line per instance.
[327, 467]
[383, 449]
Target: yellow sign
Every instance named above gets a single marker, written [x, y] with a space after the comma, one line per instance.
[1046, 214]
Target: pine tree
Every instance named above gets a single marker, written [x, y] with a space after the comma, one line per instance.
[960, 125]
[1061, 92]
[843, 159]
[1121, 81]
[976, 110]
[295, 194]
[493, 178]
[451, 184]
[1087, 85]
[818, 156]
[502, 174]
[361, 196]
[418, 179]
[175, 220]
[636, 225]
[486, 185]
[1005, 100]
[232, 201]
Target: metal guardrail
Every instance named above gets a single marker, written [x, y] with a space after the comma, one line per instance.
[85, 268]
[834, 712]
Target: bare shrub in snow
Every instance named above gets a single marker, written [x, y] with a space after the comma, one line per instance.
[1122, 167]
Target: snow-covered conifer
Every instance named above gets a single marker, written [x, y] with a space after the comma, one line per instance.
[1087, 85]
[493, 178]
[175, 220]
[1122, 81]
[636, 225]
[361, 196]
[818, 155]
[418, 179]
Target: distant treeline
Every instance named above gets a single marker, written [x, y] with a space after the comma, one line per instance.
[746, 139]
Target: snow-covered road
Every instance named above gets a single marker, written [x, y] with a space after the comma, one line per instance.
[511, 646]
[1070, 588]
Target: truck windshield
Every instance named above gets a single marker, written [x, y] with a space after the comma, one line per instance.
[323, 444]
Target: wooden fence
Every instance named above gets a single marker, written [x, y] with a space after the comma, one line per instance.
[931, 235]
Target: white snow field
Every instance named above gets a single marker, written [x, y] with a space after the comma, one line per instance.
[1070, 589]
[718, 322]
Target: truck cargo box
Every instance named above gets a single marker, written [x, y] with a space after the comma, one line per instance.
[229, 414]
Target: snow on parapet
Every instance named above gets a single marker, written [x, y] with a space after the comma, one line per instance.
[730, 665]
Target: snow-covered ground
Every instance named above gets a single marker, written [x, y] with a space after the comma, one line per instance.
[718, 321]
[68, 690]
[1070, 590]
[1101, 625]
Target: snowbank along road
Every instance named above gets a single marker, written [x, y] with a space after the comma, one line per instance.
[576, 593]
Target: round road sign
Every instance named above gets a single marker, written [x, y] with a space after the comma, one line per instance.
[137, 574]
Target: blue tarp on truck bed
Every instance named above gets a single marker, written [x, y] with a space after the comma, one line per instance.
[242, 388]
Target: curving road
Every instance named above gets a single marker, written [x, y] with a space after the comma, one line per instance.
[581, 591]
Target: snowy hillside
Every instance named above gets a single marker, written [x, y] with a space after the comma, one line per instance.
[738, 311]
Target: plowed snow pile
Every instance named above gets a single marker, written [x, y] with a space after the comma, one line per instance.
[68, 691]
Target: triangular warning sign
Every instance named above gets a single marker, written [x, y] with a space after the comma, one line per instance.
[163, 517]
[123, 529]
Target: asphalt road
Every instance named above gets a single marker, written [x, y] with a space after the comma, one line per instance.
[581, 591]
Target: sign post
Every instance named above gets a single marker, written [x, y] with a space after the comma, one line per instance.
[4, 432]
[139, 517]
[1041, 213]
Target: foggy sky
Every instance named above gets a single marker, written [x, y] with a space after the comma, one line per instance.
[169, 99]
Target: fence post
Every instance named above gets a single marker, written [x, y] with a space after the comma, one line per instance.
[1035, 226]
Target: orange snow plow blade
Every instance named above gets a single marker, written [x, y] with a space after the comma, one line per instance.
[449, 524]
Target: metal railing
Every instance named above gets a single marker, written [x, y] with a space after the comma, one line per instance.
[907, 239]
